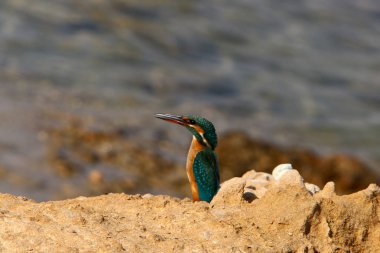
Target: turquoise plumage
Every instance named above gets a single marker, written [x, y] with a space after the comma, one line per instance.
[206, 173]
[202, 165]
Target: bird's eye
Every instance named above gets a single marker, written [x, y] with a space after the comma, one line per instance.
[192, 122]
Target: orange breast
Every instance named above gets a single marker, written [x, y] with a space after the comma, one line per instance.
[195, 147]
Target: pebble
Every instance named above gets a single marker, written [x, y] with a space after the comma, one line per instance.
[280, 170]
[256, 184]
[312, 188]
[291, 177]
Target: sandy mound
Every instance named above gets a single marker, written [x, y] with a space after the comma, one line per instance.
[255, 213]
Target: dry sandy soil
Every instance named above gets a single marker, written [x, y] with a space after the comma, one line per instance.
[284, 217]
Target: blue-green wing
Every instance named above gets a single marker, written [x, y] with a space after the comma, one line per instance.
[206, 174]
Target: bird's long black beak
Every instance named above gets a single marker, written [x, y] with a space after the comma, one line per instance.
[171, 118]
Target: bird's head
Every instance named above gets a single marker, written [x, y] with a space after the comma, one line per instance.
[202, 129]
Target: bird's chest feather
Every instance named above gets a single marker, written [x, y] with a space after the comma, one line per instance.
[194, 149]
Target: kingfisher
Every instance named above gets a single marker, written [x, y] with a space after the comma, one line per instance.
[202, 165]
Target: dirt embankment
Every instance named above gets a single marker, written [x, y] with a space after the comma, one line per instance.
[254, 213]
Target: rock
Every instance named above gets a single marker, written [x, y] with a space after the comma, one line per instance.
[256, 185]
[291, 177]
[255, 189]
[312, 188]
[230, 192]
[280, 170]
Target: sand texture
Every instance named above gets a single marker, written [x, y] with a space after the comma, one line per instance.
[254, 213]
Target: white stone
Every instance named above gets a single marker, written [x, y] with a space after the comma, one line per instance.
[290, 177]
[281, 169]
[312, 188]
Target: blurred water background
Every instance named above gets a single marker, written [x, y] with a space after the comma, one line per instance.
[295, 73]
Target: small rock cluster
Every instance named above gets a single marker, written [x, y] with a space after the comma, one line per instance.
[253, 185]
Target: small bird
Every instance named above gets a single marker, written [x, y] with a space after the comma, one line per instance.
[202, 165]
